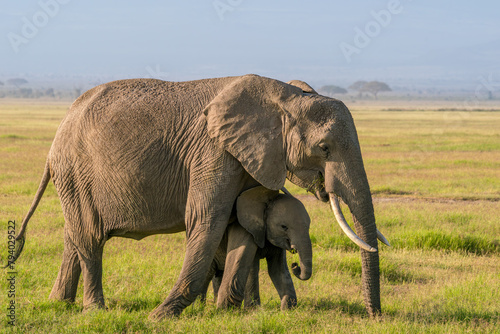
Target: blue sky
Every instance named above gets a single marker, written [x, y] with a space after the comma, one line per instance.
[397, 41]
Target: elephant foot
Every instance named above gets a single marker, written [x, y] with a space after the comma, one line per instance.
[66, 284]
[288, 302]
[163, 312]
[229, 303]
[229, 299]
[228, 306]
[62, 296]
[203, 298]
[252, 303]
[94, 307]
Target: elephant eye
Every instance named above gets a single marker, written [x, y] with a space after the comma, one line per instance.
[324, 147]
[284, 227]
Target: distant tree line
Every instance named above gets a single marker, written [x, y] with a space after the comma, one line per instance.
[15, 91]
[371, 87]
[332, 90]
[17, 82]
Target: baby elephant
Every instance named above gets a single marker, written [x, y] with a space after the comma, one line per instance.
[268, 224]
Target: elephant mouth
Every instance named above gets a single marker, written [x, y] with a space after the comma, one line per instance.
[322, 195]
[289, 247]
[318, 188]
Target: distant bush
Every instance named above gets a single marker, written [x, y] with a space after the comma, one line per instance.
[31, 93]
[372, 87]
[26, 93]
[49, 92]
[332, 90]
[17, 82]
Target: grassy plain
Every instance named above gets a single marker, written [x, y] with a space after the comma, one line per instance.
[435, 176]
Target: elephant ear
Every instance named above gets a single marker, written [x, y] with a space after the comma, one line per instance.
[245, 119]
[302, 85]
[251, 208]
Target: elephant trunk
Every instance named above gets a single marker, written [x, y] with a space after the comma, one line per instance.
[304, 271]
[364, 223]
[356, 193]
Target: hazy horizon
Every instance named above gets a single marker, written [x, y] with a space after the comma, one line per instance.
[405, 43]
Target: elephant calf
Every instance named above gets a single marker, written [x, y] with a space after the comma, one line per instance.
[268, 224]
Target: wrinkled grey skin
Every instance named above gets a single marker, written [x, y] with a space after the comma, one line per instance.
[139, 157]
[267, 225]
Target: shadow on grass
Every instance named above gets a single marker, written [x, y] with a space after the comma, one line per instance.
[389, 272]
[424, 316]
[460, 315]
[467, 316]
[443, 316]
[12, 136]
[133, 305]
[343, 306]
[59, 307]
[389, 191]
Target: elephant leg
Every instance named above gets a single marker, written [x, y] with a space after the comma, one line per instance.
[252, 295]
[216, 270]
[192, 279]
[280, 276]
[219, 261]
[204, 291]
[66, 284]
[216, 282]
[215, 182]
[84, 240]
[241, 251]
[91, 263]
[211, 274]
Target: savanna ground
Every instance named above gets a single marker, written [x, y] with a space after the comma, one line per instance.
[434, 170]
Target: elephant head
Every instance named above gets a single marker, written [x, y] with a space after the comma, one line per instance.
[278, 131]
[282, 220]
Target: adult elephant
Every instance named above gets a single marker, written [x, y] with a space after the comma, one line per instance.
[139, 157]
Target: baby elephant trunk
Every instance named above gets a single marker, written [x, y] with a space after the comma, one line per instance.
[303, 271]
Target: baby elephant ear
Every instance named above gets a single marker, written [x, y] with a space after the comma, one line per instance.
[250, 210]
[245, 119]
[302, 85]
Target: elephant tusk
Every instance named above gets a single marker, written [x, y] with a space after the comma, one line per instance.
[381, 237]
[345, 227]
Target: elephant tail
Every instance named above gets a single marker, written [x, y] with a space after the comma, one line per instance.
[20, 238]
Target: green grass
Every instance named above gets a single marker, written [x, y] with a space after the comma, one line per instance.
[430, 153]
[436, 185]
